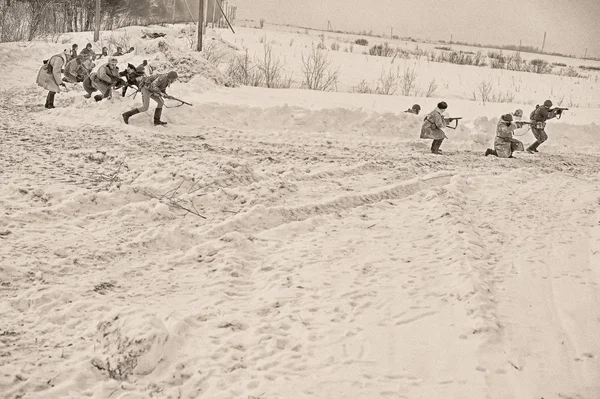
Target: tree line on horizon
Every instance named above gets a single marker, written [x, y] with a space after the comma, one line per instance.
[29, 19]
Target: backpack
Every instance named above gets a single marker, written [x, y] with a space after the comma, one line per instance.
[49, 68]
[532, 115]
[147, 80]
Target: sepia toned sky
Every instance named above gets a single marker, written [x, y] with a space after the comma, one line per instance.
[571, 25]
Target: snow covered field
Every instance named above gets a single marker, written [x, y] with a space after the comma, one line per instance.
[287, 243]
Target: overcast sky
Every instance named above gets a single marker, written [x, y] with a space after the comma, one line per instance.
[571, 25]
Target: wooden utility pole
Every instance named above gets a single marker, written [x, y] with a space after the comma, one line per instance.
[200, 24]
[544, 42]
[585, 55]
[97, 30]
[173, 13]
[450, 38]
[214, 13]
[520, 41]
[391, 32]
[205, 15]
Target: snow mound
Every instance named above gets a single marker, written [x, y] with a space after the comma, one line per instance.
[188, 65]
[132, 344]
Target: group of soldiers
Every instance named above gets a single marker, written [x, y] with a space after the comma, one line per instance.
[504, 144]
[78, 68]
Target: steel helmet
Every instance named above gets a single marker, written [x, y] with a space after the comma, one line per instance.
[547, 103]
[172, 75]
[507, 117]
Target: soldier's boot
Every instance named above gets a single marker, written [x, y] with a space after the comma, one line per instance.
[124, 91]
[50, 100]
[129, 114]
[436, 147]
[157, 114]
[533, 148]
[489, 151]
[98, 97]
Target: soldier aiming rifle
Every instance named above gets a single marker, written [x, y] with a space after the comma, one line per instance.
[538, 118]
[432, 127]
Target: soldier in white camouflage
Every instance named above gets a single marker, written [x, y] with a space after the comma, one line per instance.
[153, 87]
[432, 127]
[505, 144]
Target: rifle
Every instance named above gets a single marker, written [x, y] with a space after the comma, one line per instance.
[450, 120]
[521, 123]
[559, 111]
[167, 96]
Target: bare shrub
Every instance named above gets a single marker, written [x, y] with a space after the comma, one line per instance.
[408, 80]
[402, 53]
[270, 66]
[484, 89]
[388, 82]
[261, 23]
[363, 88]
[318, 72]
[445, 48]
[382, 51]
[569, 72]
[243, 71]
[502, 97]
[123, 40]
[361, 42]
[335, 46]
[496, 63]
[431, 89]
[189, 34]
[539, 66]
[286, 82]
[212, 53]
[516, 63]
[455, 57]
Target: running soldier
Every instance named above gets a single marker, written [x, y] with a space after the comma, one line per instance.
[133, 76]
[103, 80]
[153, 87]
